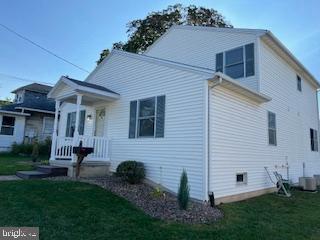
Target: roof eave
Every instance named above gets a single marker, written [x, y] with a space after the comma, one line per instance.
[231, 84]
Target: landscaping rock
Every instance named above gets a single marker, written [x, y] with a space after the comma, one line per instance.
[162, 206]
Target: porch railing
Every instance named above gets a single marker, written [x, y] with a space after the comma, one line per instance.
[64, 147]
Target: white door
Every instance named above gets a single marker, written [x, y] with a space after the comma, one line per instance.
[99, 124]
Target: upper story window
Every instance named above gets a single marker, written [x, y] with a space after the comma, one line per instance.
[236, 63]
[7, 125]
[314, 140]
[147, 117]
[272, 129]
[299, 83]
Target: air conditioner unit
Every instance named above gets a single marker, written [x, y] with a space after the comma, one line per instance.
[317, 177]
[308, 183]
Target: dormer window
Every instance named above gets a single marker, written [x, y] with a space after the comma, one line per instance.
[236, 63]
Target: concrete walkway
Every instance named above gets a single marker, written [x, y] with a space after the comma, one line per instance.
[9, 178]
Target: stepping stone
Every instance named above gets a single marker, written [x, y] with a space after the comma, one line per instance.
[32, 174]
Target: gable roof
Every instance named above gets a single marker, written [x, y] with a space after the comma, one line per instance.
[264, 35]
[90, 85]
[35, 87]
[147, 58]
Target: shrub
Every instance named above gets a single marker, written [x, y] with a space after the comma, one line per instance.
[21, 149]
[131, 171]
[183, 192]
[35, 151]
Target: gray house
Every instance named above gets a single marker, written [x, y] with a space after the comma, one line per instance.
[29, 117]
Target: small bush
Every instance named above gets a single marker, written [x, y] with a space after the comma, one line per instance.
[35, 151]
[26, 149]
[183, 192]
[131, 171]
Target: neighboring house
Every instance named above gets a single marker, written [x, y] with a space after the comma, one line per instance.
[30, 117]
[221, 103]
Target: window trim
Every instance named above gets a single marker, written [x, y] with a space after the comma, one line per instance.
[299, 83]
[245, 178]
[244, 60]
[138, 118]
[8, 126]
[314, 140]
[273, 129]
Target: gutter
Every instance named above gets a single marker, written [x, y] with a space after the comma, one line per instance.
[209, 195]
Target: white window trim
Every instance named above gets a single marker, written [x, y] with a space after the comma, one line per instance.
[138, 118]
[43, 124]
[8, 126]
[245, 178]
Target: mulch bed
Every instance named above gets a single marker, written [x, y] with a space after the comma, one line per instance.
[161, 205]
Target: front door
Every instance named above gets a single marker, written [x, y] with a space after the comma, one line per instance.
[99, 124]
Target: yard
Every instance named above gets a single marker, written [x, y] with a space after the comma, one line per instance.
[73, 210]
[10, 163]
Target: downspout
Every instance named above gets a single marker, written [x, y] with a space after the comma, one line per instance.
[210, 194]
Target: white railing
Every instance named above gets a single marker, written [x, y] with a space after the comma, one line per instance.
[100, 147]
[64, 147]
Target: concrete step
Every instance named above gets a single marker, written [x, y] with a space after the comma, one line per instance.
[53, 170]
[31, 174]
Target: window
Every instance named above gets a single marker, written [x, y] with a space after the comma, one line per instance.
[238, 62]
[299, 83]
[71, 123]
[314, 140]
[272, 131]
[242, 178]
[147, 117]
[7, 126]
[48, 125]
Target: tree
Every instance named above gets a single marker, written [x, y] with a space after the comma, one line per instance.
[144, 32]
[183, 191]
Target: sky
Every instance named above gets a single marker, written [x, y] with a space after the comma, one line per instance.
[79, 29]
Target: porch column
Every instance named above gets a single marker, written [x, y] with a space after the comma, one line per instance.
[76, 130]
[55, 131]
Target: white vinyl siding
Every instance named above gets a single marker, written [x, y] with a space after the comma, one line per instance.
[199, 48]
[183, 143]
[239, 137]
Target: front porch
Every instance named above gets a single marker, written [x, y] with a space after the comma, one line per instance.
[81, 122]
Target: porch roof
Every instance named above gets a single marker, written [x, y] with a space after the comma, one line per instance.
[66, 89]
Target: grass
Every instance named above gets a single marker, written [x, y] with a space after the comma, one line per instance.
[72, 210]
[10, 163]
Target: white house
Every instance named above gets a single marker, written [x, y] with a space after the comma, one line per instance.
[29, 117]
[221, 103]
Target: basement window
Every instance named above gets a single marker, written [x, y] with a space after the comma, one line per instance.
[242, 178]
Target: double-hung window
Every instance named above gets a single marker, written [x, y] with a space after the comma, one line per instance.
[314, 140]
[236, 63]
[272, 129]
[147, 117]
[7, 125]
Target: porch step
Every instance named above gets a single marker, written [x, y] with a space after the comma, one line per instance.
[53, 171]
[31, 174]
[43, 172]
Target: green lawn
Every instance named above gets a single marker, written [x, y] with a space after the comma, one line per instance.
[10, 163]
[71, 210]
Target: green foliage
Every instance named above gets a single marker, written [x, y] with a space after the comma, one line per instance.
[144, 32]
[35, 151]
[131, 171]
[95, 213]
[183, 191]
[26, 149]
[157, 193]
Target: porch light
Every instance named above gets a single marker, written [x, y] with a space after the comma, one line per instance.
[89, 117]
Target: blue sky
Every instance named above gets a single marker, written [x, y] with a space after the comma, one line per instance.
[79, 29]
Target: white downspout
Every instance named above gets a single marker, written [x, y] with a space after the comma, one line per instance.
[207, 173]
